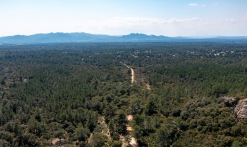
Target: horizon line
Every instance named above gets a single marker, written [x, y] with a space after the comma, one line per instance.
[206, 36]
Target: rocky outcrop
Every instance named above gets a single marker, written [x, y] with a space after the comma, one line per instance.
[241, 109]
[230, 102]
[239, 106]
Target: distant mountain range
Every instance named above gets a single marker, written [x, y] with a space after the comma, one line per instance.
[86, 37]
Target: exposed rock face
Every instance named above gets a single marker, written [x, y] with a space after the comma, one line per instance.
[241, 109]
[230, 102]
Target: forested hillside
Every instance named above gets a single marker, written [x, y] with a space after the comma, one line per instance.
[81, 94]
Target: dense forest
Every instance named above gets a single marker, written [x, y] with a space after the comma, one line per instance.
[84, 94]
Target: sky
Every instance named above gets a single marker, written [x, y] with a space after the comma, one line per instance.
[121, 17]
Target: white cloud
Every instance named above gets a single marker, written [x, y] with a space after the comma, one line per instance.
[173, 20]
[192, 26]
[78, 26]
[140, 22]
[126, 25]
[171, 27]
[229, 20]
[193, 4]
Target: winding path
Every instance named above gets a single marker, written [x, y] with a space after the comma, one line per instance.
[132, 142]
[132, 73]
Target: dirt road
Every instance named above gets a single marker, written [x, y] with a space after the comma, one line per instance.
[132, 73]
[133, 141]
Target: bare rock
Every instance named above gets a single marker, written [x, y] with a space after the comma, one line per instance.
[241, 109]
[239, 106]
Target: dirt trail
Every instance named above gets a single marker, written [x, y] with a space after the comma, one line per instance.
[101, 127]
[123, 140]
[132, 73]
[128, 139]
[148, 87]
[106, 130]
[133, 141]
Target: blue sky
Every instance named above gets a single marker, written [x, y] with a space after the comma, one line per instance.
[120, 17]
